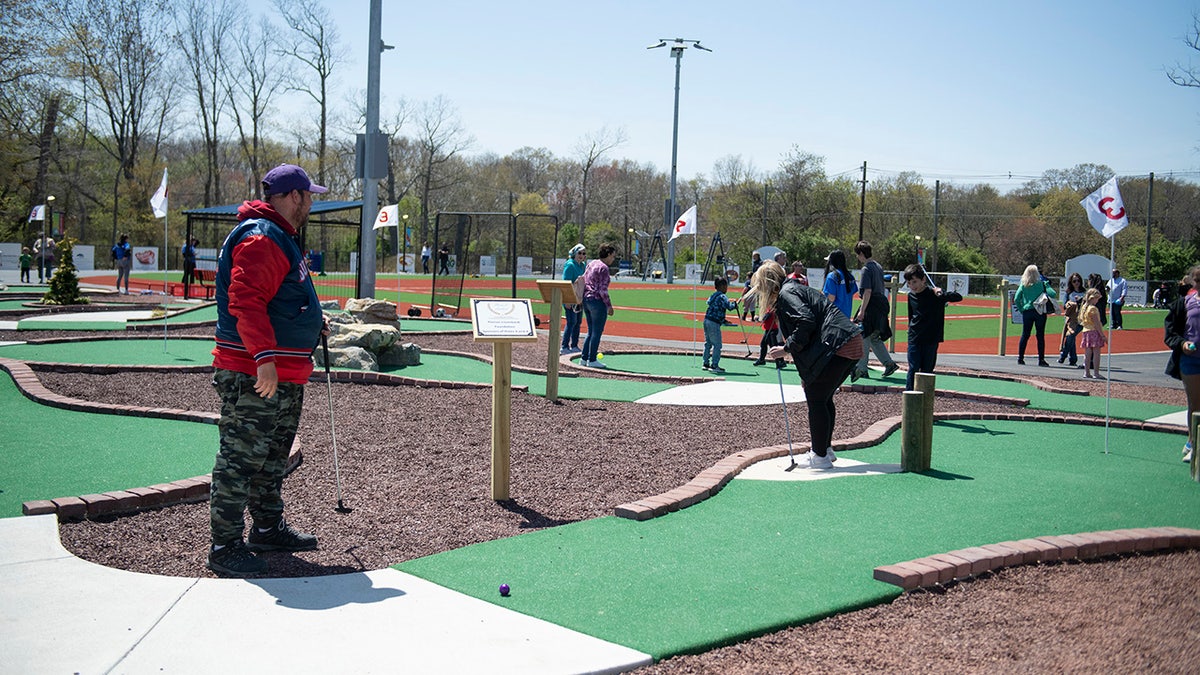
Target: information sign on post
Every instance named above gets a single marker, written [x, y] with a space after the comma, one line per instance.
[502, 322]
[556, 292]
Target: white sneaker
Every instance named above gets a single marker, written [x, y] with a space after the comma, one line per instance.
[1187, 453]
[829, 453]
[597, 365]
[819, 462]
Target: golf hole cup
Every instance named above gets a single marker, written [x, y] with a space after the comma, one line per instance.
[504, 590]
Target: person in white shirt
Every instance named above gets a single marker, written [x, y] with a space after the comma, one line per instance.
[1117, 287]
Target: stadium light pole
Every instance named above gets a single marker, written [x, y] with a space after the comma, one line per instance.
[677, 47]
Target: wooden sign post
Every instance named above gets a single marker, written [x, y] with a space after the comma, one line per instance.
[502, 322]
[556, 292]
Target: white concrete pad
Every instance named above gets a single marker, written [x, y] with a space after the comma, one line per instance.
[381, 621]
[776, 469]
[8, 325]
[726, 393]
[5, 343]
[62, 614]
[119, 315]
[1177, 418]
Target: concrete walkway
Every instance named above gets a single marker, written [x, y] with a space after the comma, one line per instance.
[64, 615]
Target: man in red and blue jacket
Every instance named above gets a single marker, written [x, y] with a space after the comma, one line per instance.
[269, 321]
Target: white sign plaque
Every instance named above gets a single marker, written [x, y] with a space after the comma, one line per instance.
[502, 319]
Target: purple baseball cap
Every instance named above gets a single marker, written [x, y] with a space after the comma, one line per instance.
[287, 177]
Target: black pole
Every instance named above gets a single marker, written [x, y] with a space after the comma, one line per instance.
[1149, 214]
[937, 195]
[862, 202]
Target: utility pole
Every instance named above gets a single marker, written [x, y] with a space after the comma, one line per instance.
[862, 202]
[1149, 214]
[766, 187]
[374, 152]
[937, 195]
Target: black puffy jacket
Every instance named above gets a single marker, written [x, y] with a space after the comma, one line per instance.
[813, 328]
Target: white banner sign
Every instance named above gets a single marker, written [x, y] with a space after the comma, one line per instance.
[524, 266]
[958, 283]
[487, 266]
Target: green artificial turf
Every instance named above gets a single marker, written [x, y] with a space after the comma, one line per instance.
[14, 304]
[50, 453]
[762, 555]
[147, 351]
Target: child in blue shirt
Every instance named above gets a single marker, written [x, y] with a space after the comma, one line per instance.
[714, 318]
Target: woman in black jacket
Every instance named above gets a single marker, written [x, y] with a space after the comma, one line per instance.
[1181, 332]
[824, 344]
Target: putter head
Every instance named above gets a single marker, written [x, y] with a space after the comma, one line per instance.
[342, 508]
[793, 466]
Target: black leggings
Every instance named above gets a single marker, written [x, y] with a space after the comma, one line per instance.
[821, 412]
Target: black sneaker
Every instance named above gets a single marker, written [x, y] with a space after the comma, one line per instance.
[760, 362]
[235, 560]
[891, 368]
[280, 538]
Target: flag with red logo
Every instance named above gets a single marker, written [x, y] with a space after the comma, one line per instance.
[1105, 209]
[686, 224]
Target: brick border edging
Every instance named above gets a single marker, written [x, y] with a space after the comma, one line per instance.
[1020, 379]
[130, 500]
[710, 481]
[942, 568]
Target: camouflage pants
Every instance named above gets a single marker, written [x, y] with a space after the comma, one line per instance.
[256, 436]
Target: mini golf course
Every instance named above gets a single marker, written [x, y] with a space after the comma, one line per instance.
[757, 556]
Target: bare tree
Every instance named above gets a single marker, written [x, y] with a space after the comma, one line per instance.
[120, 50]
[251, 82]
[590, 149]
[1188, 76]
[314, 43]
[441, 140]
[203, 28]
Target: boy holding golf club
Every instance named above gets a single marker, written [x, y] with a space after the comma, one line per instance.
[824, 345]
[714, 318]
[268, 323]
[926, 321]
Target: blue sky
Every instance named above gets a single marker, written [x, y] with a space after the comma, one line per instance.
[959, 91]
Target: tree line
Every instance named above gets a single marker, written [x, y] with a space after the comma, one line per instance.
[97, 96]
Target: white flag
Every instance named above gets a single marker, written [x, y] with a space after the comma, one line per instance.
[388, 216]
[38, 213]
[686, 224]
[1105, 209]
[159, 201]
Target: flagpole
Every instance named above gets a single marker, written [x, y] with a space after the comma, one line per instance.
[166, 298]
[1112, 256]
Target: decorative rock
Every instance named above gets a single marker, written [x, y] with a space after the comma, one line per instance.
[373, 337]
[352, 357]
[407, 354]
[331, 305]
[370, 310]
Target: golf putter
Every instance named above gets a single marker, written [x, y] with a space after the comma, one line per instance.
[341, 507]
[786, 425]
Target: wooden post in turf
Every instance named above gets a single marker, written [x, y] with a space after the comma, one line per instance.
[502, 322]
[556, 292]
[894, 289]
[912, 431]
[926, 384]
[1003, 288]
[1193, 426]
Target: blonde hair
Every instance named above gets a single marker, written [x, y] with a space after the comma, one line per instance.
[1091, 293]
[765, 285]
[1031, 276]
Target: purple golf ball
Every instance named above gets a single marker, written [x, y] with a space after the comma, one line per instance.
[504, 589]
